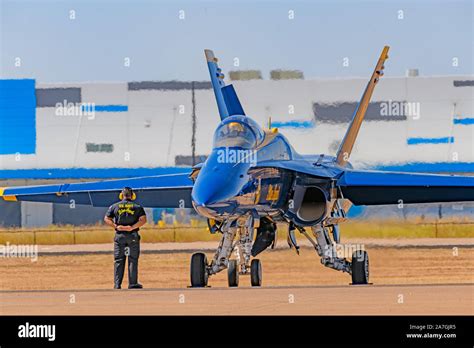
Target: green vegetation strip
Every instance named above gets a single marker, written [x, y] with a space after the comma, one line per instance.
[155, 234]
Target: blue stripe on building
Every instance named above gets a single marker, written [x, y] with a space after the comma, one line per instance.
[464, 121]
[89, 173]
[355, 211]
[293, 124]
[17, 117]
[418, 141]
[427, 167]
[104, 108]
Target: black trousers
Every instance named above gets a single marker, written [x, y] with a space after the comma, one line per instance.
[126, 244]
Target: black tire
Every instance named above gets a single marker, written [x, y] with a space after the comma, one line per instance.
[256, 272]
[199, 275]
[233, 274]
[360, 267]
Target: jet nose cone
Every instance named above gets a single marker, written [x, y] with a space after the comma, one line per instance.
[200, 198]
[204, 211]
[207, 193]
[205, 196]
[217, 185]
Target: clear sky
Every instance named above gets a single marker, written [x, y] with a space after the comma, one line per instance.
[428, 35]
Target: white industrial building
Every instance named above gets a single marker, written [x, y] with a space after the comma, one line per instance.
[137, 128]
[154, 124]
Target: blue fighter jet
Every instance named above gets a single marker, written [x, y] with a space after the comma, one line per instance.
[254, 179]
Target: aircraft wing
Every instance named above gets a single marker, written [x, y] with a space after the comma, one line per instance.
[161, 191]
[227, 101]
[379, 187]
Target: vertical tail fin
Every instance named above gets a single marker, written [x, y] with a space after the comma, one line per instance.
[227, 101]
[347, 144]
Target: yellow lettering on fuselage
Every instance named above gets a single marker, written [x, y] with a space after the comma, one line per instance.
[273, 192]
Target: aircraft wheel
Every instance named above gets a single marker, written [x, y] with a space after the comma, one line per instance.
[199, 275]
[233, 274]
[360, 267]
[256, 272]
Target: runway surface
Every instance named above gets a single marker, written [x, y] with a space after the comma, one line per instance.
[306, 300]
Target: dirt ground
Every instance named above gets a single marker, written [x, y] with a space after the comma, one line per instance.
[280, 268]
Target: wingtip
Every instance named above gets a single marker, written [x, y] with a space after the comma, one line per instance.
[11, 198]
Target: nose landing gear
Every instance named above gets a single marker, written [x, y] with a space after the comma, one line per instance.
[242, 265]
[255, 273]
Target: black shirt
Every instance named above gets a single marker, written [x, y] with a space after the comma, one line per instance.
[125, 212]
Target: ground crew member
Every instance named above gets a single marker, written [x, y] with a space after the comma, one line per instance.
[126, 217]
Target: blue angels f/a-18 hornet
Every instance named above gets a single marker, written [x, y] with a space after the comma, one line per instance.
[254, 179]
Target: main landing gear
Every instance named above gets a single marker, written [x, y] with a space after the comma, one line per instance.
[360, 267]
[242, 230]
[327, 249]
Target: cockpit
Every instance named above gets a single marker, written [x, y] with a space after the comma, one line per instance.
[238, 131]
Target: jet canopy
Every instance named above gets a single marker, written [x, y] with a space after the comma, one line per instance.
[238, 131]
